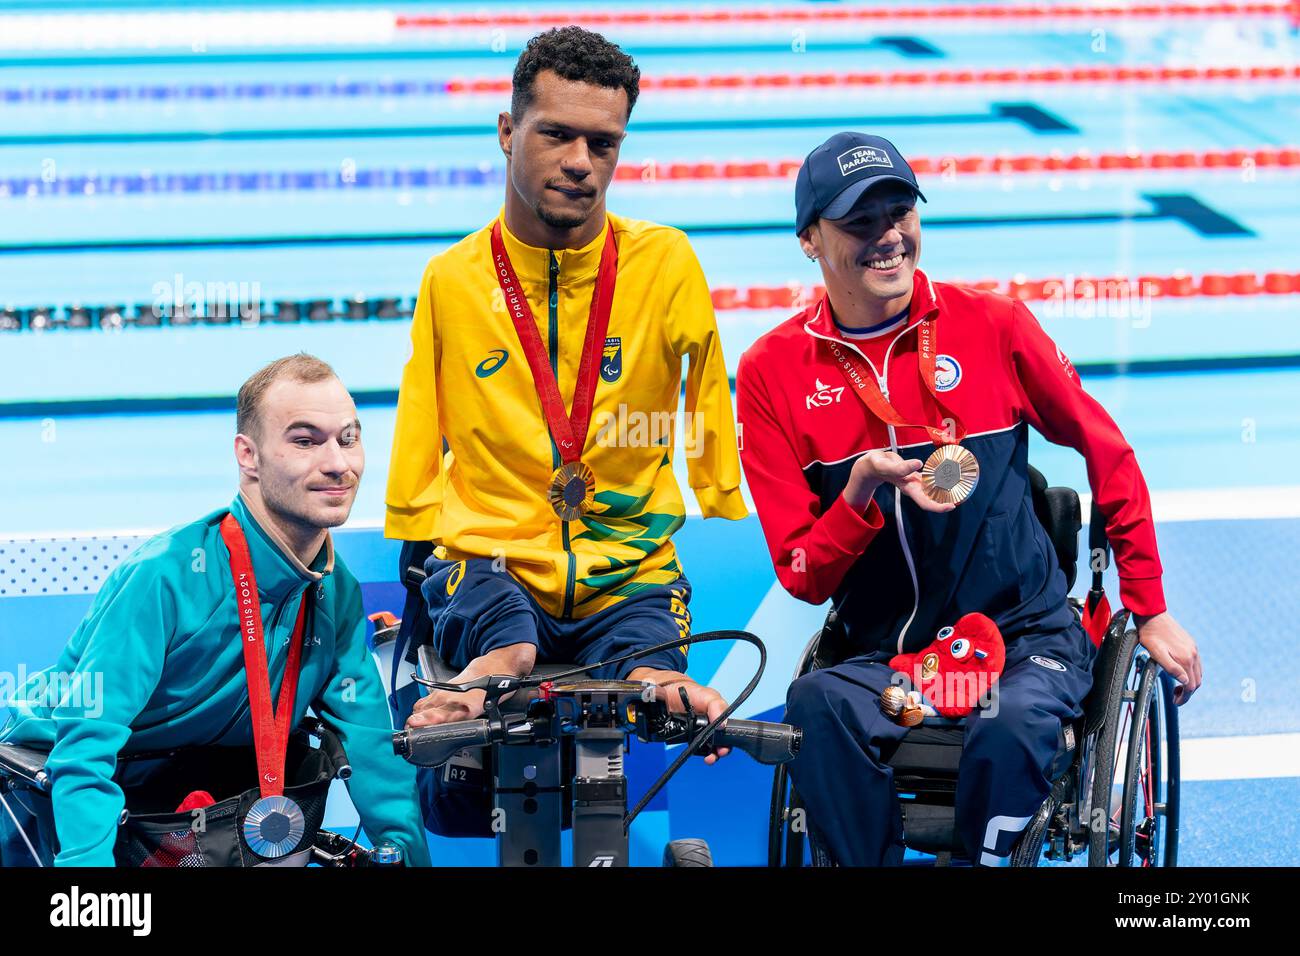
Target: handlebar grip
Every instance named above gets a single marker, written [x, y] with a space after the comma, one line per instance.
[766, 742]
[431, 746]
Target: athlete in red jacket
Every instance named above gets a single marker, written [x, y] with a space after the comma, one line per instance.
[840, 406]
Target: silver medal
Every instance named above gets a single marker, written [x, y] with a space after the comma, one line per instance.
[273, 826]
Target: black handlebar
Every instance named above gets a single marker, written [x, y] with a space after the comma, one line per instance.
[431, 746]
[766, 742]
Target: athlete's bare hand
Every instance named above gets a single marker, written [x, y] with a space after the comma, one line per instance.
[886, 467]
[445, 706]
[704, 700]
[1173, 649]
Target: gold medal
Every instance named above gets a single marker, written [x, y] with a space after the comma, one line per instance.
[929, 665]
[950, 474]
[573, 490]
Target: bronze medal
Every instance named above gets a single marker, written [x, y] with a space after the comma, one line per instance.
[573, 490]
[950, 474]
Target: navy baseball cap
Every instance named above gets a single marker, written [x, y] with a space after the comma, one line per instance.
[840, 170]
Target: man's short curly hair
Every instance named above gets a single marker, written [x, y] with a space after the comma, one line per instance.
[574, 54]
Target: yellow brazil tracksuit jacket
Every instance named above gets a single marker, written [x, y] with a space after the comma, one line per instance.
[467, 381]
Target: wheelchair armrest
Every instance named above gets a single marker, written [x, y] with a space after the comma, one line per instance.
[432, 666]
[25, 764]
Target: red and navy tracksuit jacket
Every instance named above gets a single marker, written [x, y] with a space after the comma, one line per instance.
[896, 573]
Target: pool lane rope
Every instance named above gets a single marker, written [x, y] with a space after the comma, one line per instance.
[875, 14]
[1176, 77]
[351, 177]
[1072, 291]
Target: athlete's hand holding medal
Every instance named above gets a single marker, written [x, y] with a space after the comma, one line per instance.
[948, 477]
[876, 468]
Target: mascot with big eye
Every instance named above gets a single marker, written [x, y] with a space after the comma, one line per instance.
[950, 675]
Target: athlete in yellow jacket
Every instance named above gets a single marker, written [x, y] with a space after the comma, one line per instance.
[512, 582]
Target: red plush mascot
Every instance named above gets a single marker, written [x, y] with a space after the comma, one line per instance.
[959, 666]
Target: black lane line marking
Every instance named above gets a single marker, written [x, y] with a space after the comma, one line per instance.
[388, 397]
[1030, 116]
[1186, 209]
[906, 46]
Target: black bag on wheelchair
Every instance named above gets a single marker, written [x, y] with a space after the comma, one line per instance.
[153, 833]
[456, 798]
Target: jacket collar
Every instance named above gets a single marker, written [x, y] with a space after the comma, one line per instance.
[277, 569]
[532, 264]
[821, 324]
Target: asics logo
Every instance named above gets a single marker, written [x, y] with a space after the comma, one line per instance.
[496, 358]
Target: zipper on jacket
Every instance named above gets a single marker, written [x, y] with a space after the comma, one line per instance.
[553, 337]
[883, 379]
[898, 506]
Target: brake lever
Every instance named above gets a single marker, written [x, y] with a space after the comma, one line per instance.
[694, 723]
[504, 684]
[494, 687]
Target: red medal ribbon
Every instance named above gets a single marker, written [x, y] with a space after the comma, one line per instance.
[568, 430]
[866, 387]
[270, 727]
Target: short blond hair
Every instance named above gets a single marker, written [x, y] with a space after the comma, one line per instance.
[300, 367]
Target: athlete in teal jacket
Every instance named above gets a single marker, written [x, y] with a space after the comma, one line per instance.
[163, 633]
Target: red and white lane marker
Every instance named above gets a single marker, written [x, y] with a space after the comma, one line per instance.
[1051, 76]
[872, 14]
[1234, 160]
[794, 295]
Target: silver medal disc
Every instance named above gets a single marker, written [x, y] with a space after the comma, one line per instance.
[274, 826]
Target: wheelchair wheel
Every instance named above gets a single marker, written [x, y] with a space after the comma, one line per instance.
[1029, 848]
[1132, 766]
[786, 815]
[691, 853]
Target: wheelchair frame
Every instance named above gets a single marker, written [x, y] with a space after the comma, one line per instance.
[1129, 740]
[23, 775]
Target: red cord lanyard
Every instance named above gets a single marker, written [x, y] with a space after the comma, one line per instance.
[864, 385]
[568, 430]
[270, 727]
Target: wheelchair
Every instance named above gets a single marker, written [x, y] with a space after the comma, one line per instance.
[1119, 797]
[548, 753]
[152, 835]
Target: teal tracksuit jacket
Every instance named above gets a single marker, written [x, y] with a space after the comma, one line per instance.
[162, 666]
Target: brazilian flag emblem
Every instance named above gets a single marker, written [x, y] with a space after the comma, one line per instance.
[611, 362]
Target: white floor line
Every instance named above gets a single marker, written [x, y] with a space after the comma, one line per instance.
[1219, 504]
[1241, 758]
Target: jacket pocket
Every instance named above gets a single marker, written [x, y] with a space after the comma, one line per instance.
[993, 581]
[1039, 562]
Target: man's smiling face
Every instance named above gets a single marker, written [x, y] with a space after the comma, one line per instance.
[310, 456]
[875, 248]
